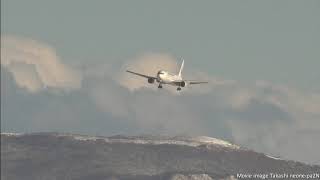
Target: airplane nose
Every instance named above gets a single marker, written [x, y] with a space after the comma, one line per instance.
[160, 76]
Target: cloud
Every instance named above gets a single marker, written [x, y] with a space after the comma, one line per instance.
[150, 111]
[35, 65]
[279, 120]
[108, 97]
[271, 118]
[266, 117]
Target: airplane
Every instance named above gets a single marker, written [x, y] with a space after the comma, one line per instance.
[164, 77]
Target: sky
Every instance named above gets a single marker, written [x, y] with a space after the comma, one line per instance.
[63, 69]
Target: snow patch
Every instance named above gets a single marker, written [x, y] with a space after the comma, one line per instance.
[153, 140]
[186, 141]
[11, 134]
[85, 138]
[276, 158]
[210, 140]
[191, 177]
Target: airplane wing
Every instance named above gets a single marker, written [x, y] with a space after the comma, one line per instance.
[142, 75]
[198, 82]
[182, 82]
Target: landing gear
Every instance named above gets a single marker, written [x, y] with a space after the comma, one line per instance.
[179, 89]
[160, 86]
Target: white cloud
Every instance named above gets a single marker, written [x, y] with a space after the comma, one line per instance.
[35, 65]
[266, 117]
[269, 118]
[263, 116]
[286, 123]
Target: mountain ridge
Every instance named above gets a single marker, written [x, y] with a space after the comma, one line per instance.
[134, 157]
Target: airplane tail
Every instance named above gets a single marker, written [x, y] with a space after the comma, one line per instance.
[181, 67]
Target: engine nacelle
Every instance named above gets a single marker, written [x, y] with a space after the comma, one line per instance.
[150, 80]
[182, 84]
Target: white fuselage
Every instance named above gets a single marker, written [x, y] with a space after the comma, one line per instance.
[165, 77]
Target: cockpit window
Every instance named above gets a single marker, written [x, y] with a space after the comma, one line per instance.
[160, 72]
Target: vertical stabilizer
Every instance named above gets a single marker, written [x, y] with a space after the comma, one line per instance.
[181, 67]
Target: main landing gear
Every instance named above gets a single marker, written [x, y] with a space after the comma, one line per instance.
[160, 86]
[179, 89]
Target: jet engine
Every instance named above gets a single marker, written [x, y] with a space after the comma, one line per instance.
[182, 84]
[150, 80]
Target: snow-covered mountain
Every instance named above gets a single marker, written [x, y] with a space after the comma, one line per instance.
[68, 156]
